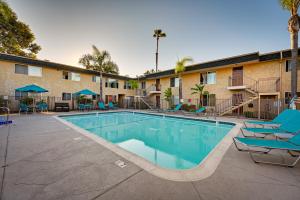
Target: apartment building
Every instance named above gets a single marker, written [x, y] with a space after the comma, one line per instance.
[60, 80]
[233, 83]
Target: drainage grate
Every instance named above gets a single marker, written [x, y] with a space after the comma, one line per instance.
[120, 163]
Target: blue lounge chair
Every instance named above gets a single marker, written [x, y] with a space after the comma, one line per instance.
[200, 110]
[285, 115]
[177, 108]
[288, 128]
[291, 145]
[111, 105]
[101, 106]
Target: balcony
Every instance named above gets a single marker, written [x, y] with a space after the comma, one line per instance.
[262, 85]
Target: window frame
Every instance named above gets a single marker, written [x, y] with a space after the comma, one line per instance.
[204, 78]
[66, 99]
[24, 67]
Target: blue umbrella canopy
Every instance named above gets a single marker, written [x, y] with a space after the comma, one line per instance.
[84, 92]
[32, 88]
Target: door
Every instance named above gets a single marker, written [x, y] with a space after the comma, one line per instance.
[237, 76]
[236, 100]
[157, 101]
[157, 84]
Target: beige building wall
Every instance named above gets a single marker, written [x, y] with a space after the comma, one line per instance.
[52, 80]
[252, 72]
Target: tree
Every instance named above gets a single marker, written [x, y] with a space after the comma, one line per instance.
[158, 34]
[151, 71]
[15, 36]
[199, 89]
[99, 61]
[293, 27]
[179, 69]
[134, 84]
[168, 96]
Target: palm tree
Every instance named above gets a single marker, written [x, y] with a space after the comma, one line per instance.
[293, 27]
[134, 84]
[99, 61]
[168, 96]
[179, 69]
[158, 34]
[199, 89]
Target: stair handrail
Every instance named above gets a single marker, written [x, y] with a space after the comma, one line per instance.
[143, 100]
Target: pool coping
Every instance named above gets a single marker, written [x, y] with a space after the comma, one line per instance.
[205, 168]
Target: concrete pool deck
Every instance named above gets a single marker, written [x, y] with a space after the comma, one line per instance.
[48, 160]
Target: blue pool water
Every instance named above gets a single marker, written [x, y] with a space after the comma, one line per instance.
[169, 142]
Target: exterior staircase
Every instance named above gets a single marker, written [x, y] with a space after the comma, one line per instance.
[250, 90]
[144, 96]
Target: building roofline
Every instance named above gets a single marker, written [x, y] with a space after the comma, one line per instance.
[240, 59]
[44, 63]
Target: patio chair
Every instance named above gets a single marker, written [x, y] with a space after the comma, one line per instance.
[176, 109]
[42, 107]
[288, 128]
[23, 108]
[88, 106]
[101, 106]
[81, 107]
[111, 106]
[277, 121]
[291, 145]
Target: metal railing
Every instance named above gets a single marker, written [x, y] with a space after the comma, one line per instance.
[269, 84]
[151, 88]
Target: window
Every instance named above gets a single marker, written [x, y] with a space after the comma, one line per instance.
[111, 83]
[288, 97]
[66, 96]
[209, 100]
[127, 85]
[174, 82]
[96, 79]
[203, 78]
[71, 76]
[75, 76]
[20, 95]
[110, 98]
[208, 78]
[288, 65]
[21, 69]
[34, 71]
[66, 75]
[143, 85]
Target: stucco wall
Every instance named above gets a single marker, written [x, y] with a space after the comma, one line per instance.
[52, 81]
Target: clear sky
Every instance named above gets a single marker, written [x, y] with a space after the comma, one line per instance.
[203, 29]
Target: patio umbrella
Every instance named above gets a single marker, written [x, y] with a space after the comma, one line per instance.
[32, 88]
[84, 92]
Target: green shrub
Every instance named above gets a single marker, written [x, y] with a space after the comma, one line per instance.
[27, 101]
[249, 114]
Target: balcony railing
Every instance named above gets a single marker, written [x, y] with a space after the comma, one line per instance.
[261, 85]
[269, 84]
[152, 88]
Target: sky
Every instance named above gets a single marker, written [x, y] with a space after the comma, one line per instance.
[202, 29]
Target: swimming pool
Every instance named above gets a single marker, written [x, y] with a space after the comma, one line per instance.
[169, 142]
